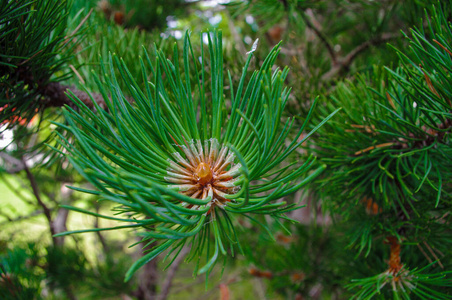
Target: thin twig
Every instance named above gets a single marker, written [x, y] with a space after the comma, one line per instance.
[46, 210]
[59, 225]
[99, 234]
[424, 253]
[79, 25]
[340, 63]
[30, 58]
[434, 254]
[16, 191]
[320, 35]
[171, 273]
[360, 48]
[346, 61]
[22, 218]
[16, 163]
[77, 74]
[373, 147]
[35, 189]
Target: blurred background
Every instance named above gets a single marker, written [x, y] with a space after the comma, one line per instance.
[325, 43]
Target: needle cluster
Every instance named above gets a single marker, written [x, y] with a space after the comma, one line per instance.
[186, 155]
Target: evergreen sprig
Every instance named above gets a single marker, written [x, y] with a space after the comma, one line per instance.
[404, 285]
[390, 155]
[34, 46]
[182, 159]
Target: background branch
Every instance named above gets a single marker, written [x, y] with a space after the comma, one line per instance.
[21, 218]
[47, 212]
[166, 286]
[323, 38]
[16, 164]
[345, 62]
[55, 93]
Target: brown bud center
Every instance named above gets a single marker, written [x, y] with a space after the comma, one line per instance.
[204, 173]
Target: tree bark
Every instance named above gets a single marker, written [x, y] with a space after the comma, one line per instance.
[148, 279]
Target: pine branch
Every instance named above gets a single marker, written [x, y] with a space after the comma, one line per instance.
[203, 162]
[99, 234]
[343, 63]
[323, 38]
[166, 286]
[33, 62]
[46, 210]
[57, 96]
[339, 64]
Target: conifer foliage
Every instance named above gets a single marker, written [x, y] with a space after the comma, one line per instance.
[202, 151]
[34, 47]
[389, 153]
[181, 163]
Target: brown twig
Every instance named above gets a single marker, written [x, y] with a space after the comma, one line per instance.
[166, 286]
[260, 273]
[424, 253]
[434, 254]
[47, 212]
[56, 95]
[224, 291]
[99, 234]
[391, 102]
[320, 35]
[345, 62]
[374, 147]
[59, 225]
[79, 25]
[148, 277]
[30, 58]
[339, 64]
[77, 74]
[444, 48]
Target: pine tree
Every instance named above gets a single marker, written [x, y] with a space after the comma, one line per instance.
[389, 167]
[205, 151]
